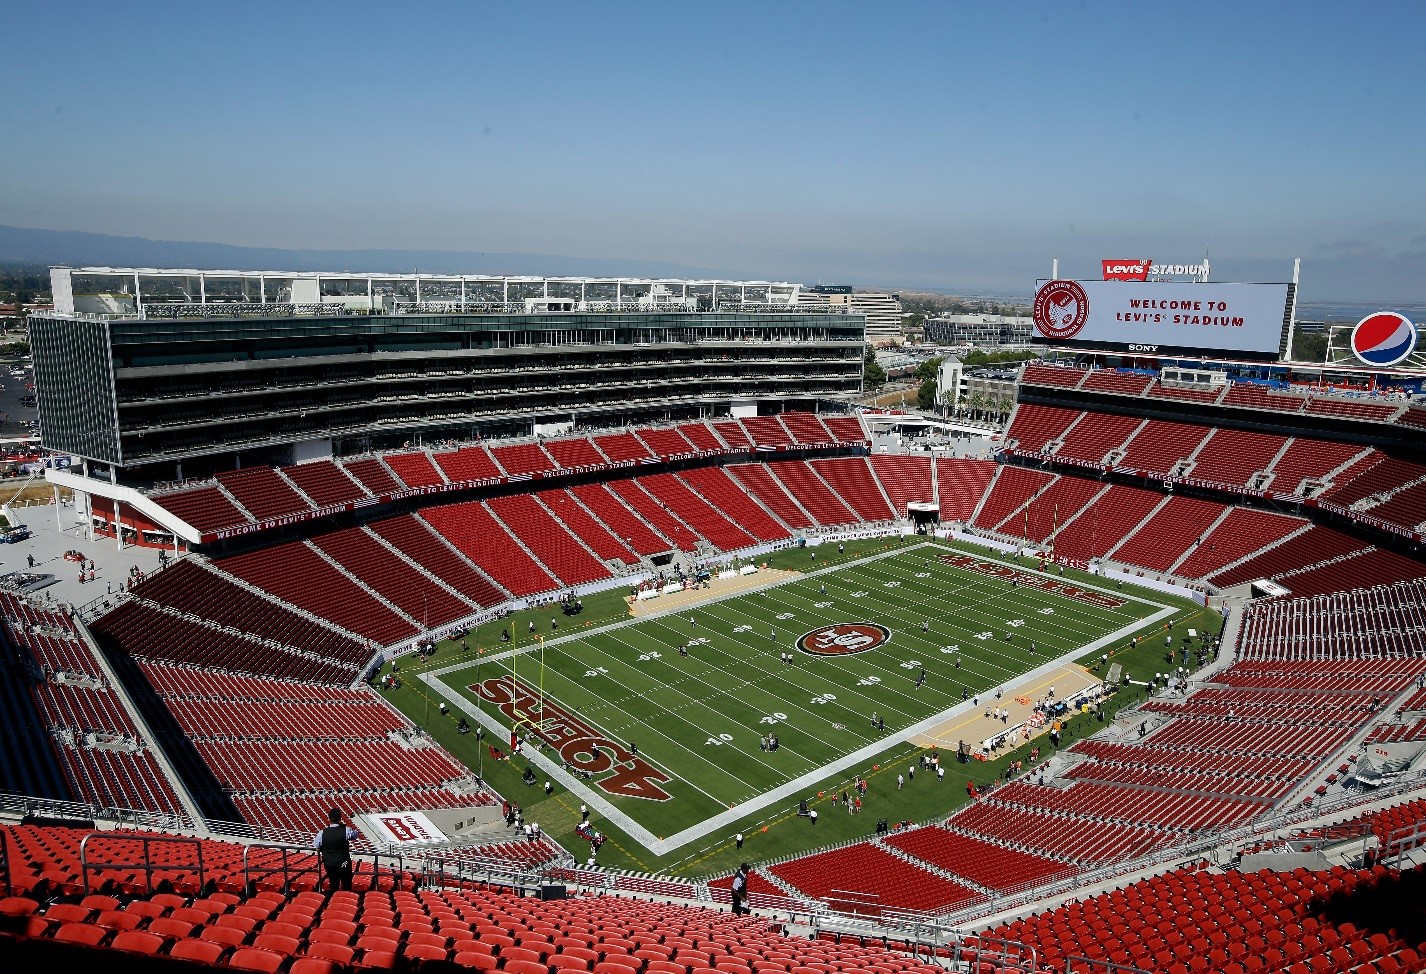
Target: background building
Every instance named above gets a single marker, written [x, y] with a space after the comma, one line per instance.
[151, 369]
[978, 330]
[881, 310]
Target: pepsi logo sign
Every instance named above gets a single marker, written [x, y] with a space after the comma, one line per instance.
[844, 639]
[1061, 309]
[1384, 338]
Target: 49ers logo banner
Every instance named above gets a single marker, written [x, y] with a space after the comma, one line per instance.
[582, 747]
[1061, 309]
[844, 639]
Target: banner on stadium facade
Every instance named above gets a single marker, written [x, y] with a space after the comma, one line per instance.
[1155, 317]
[389, 829]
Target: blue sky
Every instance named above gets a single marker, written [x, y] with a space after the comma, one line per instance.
[944, 145]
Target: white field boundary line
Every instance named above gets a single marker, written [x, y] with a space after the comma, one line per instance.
[664, 846]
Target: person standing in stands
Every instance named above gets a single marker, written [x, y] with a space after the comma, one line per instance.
[334, 843]
[740, 890]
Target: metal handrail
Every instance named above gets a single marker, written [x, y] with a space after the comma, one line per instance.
[1092, 963]
[147, 864]
[290, 869]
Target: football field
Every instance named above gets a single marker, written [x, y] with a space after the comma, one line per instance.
[660, 722]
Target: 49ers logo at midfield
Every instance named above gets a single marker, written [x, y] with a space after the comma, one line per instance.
[844, 639]
[1061, 309]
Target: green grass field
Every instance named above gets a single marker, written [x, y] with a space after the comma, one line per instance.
[699, 773]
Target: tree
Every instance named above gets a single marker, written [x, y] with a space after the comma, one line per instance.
[926, 395]
[873, 375]
[1309, 347]
[929, 368]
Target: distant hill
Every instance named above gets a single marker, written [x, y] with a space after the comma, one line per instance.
[21, 245]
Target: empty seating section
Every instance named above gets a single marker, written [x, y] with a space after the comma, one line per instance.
[733, 434]
[1050, 375]
[67, 740]
[853, 482]
[1352, 409]
[1161, 444]
[188, 586]
[1108, 519]
[867, 879]
[1374, 566]
[766, 488]
[389, 921]
[324, 482]
[1168, 534]
[1232, 456]
[1238, 535]
[1080, 841]
[418, 542]
[1094, 800]
[1200, 920]
[558, 550]
[1033, 426]
[766, 431]
[696, 512]
[359, 716]
[725, 496]
[374, 475]
[1406, 508]
[1185, 393]
[286, 752]
[806, 428]
[206, 508]
[469, 464]
[666, 443]
[575, 453]
[1124, 383]
[50, 638]
[703, 439]
[1094, 436]
[277, 766]
[484, 540]
[1316, 544]
[1388, 474]
[1062, 500]
[1255, 396]
[905, 479]
[623, 448]
[1179, 780]
[1413, 417]
[847, 429]
[585, 527]
[415, 469]
[391, 576]
[812, 494]
[992, 866]
[1163, 761]
[142, 630]
[656, 513]
[263, 492]
[1008, 494]
[624, 523]
[296, 573]
[960, 484]
[522, 459]
[1309, 459]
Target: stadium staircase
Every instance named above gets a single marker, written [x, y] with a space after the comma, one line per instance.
[767, 490]
[355, 579]
[1229, 566]
[429, 576]
[209, 565]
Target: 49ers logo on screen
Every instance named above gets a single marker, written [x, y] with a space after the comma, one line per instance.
[844, 639]
[1127, 270]
[1061, 309]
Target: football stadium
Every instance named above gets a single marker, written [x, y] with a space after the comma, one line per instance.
[544, 625]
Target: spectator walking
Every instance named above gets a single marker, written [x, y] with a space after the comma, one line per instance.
[334, 844]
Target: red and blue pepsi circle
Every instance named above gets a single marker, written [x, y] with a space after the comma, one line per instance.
[1383, 338]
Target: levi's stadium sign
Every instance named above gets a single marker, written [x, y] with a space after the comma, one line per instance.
[1162, 318]
[1142, 270]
